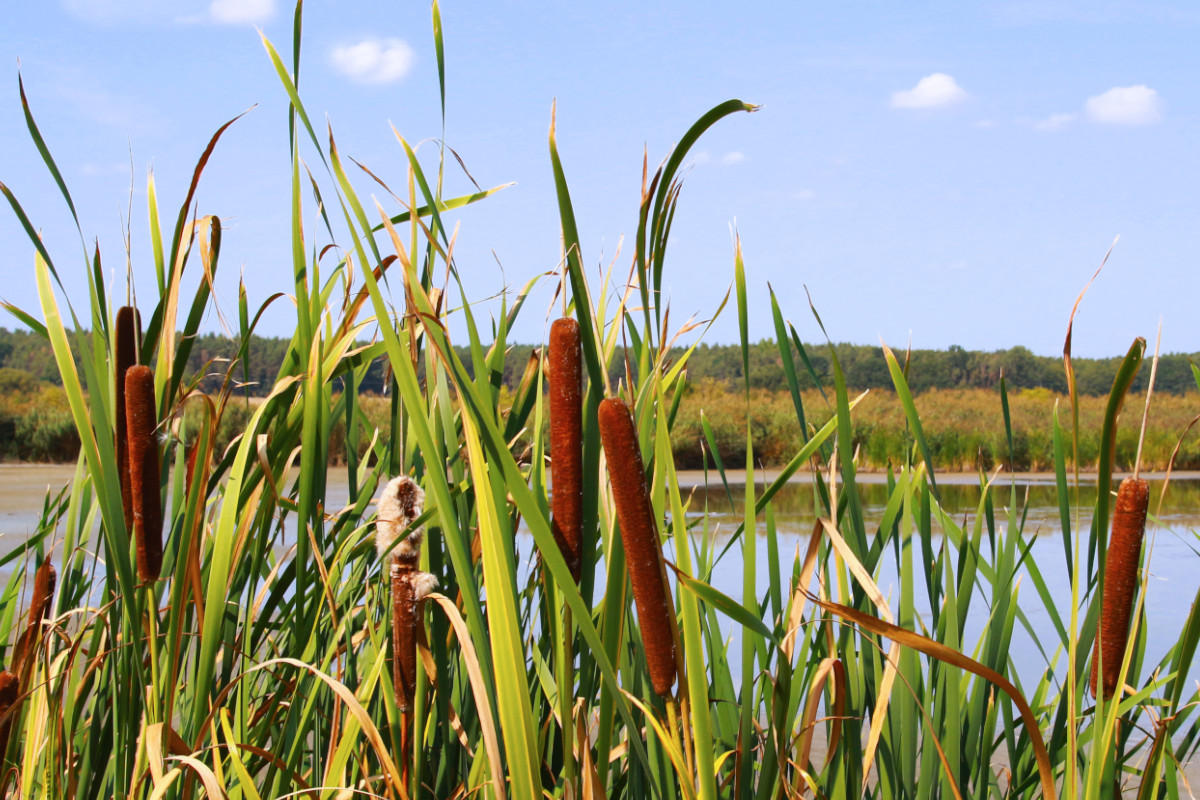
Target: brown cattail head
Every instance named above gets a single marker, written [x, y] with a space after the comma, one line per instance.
[142, 418]
[566, 440]
[639, 534]
[10, 690]
[128, 333]
[404, 636]
[39, 609]
[1120, 582]
[44, 581]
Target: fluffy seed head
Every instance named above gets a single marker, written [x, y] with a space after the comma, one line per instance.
[401, 503]
[423, 583]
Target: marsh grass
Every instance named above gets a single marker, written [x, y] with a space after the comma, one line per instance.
[258, 668]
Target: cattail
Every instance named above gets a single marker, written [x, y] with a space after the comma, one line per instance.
[566, 441]
[1120, 582]
[142, 419]
[639, 534]
[9, 692]
[128, 327]
[44, 581]
[400, 505]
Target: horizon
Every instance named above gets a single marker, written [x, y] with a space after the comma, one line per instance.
[906, 167]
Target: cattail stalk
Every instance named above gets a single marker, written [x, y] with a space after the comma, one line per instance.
[128, 326]
[1120, 583]
[639, 534]
[142, 419]
[566, 440]
[399, 506]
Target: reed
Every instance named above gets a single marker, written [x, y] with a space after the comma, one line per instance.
[190, 469]
[142, 419]
[256, 667]
[1120, 584]
[128, 335]
[566, 439]
[639, 535]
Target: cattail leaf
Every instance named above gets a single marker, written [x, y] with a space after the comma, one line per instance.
[950, 656]
[726, 605]
[910, 412]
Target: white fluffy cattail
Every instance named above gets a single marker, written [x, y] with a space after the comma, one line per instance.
[399, 507]
[401, 503]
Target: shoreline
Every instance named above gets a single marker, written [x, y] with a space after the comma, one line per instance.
[691, 478]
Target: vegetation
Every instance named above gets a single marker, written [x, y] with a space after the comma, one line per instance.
[962, 426]
[262, 662]
[863, 365]
[964, 429]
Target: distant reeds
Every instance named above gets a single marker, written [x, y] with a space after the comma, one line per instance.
[566, 440]
[639, 534]
[399, 507]
[128, 332]
[1120, 583]
[142, 419]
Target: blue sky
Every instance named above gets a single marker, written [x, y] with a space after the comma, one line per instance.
[946, 171]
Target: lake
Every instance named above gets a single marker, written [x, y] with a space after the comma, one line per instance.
[1174, 559]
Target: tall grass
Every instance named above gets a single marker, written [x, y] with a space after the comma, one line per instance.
[258, 666]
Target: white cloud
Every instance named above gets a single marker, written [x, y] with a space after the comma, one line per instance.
[1054, 122]
[1126, 105]
[805, 194]
[374, 60]
[986, 123]
[701, 156]
[938, 89]
[235, 12]
[733, 157]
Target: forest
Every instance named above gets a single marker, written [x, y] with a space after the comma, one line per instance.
[863, 365]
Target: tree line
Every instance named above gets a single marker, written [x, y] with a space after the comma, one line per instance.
[863, 365]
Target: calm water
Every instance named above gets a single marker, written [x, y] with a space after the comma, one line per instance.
[1174, 561]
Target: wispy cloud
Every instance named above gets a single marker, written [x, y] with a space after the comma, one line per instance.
[98, 170]
[120, 12]
[1054, 122]
[123, 112]
[932, 91]
[805, 194]
[1126, 105]
[237, 12]
[733, 157]
[374, 60]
